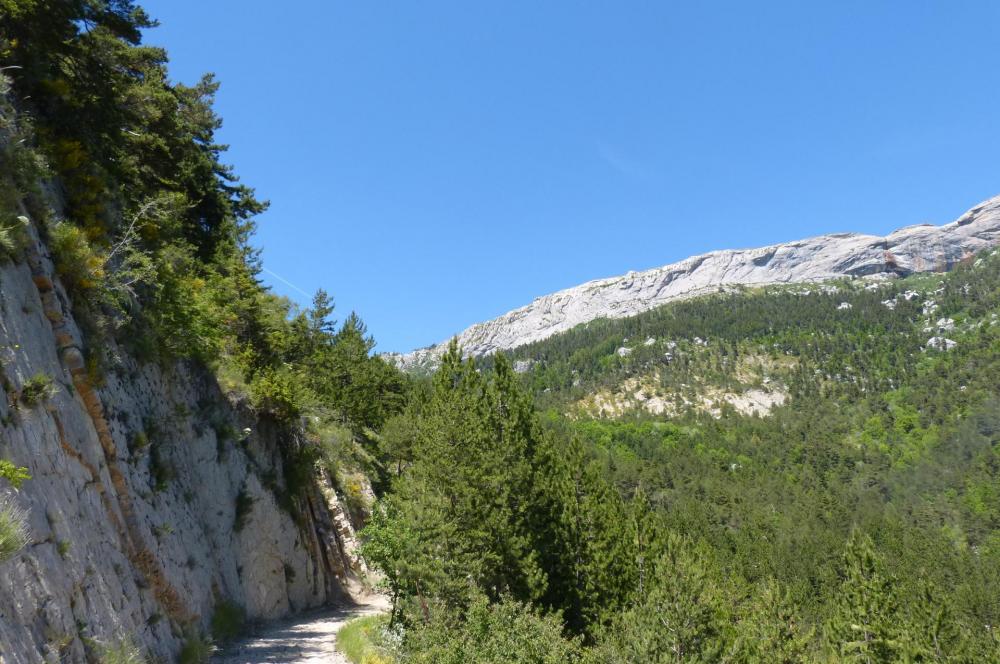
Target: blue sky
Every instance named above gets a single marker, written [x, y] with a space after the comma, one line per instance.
[436, 164]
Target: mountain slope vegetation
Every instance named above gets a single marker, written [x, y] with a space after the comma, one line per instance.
[855, 521]
[794, 474]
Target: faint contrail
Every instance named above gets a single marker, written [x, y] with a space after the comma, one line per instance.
[285, 281]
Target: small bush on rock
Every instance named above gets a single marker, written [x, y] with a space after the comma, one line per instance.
[244, 506]
[197, 649]
[228, 620]
[36, 389]
[79, 265]
[139, 442]
[121, 651]
[13, 528]
[13, 238]
[13, 474]
[161, 471]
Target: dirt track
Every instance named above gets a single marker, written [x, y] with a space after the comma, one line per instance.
[309, 637]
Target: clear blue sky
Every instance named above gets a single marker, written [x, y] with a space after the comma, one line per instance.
[435, 164]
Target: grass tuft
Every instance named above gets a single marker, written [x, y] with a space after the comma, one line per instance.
[121, 651]
[13, 528]
[197, 649]
[228, 620]
[358, 638]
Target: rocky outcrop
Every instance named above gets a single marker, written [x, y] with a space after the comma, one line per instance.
[920, 248]
[153, 498]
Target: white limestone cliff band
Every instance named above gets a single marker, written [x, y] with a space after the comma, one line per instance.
[920, 248]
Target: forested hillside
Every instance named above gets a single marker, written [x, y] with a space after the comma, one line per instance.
[853, 519]
[790, 474]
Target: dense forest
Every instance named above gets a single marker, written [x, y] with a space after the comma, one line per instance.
[855, 522]
[855, 519]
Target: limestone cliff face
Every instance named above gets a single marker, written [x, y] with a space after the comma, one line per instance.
[921, 248]
[133, 502]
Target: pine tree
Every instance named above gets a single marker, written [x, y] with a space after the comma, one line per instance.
[933, 634]
[866, 625]
[644, 539]
[364, 388]
[584, 538]
[680, 620]
[321, 320]
[469, 493]
[769, 631]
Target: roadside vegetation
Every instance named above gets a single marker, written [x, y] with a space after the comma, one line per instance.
[360, 639]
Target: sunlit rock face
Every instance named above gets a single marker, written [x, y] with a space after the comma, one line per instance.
[923, 248]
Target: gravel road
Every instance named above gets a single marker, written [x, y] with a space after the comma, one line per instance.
[306, 638]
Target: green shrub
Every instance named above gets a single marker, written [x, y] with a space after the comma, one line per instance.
[230, 376]
[354, 495]
[36, 389]
[121, 651]
[228, 620]
[299, 467]
[337, 445]
[492, 634]
[197, 649]
[21, 169]
[139, 442]
[80, 267]
[181, 317]
[279, 392]
[163, 530]
[13, 474]
[13, 238]
[244, 506]
[224, 431]
[13, 528]
[160, 470]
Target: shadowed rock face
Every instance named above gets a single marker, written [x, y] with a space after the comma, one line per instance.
[153, 496]
[923, 248]
[133, 503]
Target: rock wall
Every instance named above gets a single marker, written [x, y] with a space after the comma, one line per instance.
[923, 248]
[153, 496]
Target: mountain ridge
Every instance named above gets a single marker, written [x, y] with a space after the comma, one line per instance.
[909, 249]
